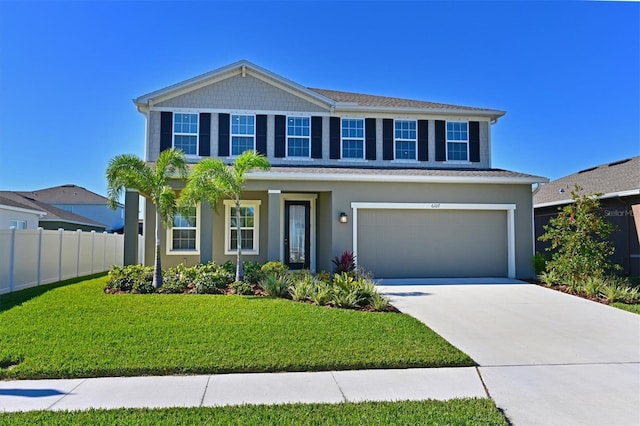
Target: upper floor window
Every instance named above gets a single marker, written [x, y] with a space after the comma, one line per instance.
[352, 138]
[406, 139]
[183, 234]
[298, 136]
[243, 133]
[457, 141]
[185, 133]
[18, 224]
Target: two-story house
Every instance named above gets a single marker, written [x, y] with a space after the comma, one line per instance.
[406, 185]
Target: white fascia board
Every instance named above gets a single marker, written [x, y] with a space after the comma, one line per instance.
[22, 210]
[347, 177]
[604, 196]
[351, 107]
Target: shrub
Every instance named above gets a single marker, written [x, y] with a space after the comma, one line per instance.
[302, 289]
[579, 240]
[321, 293]
[211, 282]
[617, 289]
[177, 279]
[549, 278]
[346, 262]
[127, 277]
[347, 299]
[274, 267]
[276, 285]
[324, 276]
[593, 286]
[379, 303]
[240, 287]
[539, 263]
[252, 272]
[143, 287]
[229, 267]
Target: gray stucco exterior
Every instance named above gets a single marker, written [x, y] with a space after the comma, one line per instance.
[485, 216]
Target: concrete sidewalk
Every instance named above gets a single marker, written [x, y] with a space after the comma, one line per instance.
[236, 389]
[546, 358]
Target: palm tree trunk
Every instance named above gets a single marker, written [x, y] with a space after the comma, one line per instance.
[239, 268]
[157, 269]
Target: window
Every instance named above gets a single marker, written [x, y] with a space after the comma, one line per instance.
[18, 224]
[243, 133]
[352, 138]
[298, 136]
[183, 233]
[457, 141]
[249, 232]
[185, 133]
[405, 136]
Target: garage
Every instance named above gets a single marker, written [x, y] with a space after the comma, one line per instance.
[410, 240]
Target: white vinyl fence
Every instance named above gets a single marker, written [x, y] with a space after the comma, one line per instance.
[34, 257]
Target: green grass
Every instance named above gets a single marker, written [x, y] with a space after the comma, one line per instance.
[635, 308]
[77, 330]
[453, 412]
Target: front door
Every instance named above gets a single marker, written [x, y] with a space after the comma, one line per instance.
[297, 234]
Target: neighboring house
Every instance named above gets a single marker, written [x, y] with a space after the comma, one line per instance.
[53, 217]
[82, 202]
[619, 184]
[406, 185]
[14, 214]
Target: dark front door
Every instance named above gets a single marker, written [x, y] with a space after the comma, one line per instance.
[297, 234]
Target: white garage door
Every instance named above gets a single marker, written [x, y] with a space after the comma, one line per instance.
[432, 243]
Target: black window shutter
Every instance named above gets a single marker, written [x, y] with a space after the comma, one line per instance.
[370, 138]
[334, 138]
[223, 135]
[280, 136]
[316, 137]
[423, 140]
[474, 141]
[166, 130]
[441, 140]
[204, 134]
[261, 134]
[387, 139]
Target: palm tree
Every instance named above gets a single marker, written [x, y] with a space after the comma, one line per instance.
[128, 171]
[212, 180]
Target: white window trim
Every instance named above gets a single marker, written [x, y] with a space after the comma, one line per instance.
[415, 142]
[197, 134]
[17, 222]
[169, 244]
[231, 134]
[286, 147]
[228, 204]
[364, 138]
[446, 144]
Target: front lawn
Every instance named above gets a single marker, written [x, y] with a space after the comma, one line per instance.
[77, 330]
[453, 412]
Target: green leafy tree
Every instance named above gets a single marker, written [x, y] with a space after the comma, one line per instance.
[128, 171]
[579, 240]
[212, 180]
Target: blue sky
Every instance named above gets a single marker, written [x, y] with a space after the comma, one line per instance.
[567, 73]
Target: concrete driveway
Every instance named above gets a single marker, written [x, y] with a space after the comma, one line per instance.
[546, 358]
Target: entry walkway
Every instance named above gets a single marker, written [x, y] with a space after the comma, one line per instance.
[547, 358]
[236, 389]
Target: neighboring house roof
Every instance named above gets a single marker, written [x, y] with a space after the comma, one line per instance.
[53, 214]
[388, 174]
[616, 179]
[65, 194]
[330, 99]
[11, 204]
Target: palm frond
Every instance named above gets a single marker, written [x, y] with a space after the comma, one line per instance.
[127, 171]
[167, 205]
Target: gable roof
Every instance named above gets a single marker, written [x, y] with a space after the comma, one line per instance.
[617, 179]
[12, 204]
[332, 100]
[65, 194]
[53, 214]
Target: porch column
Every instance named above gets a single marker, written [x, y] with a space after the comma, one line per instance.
[206, 232]
[131, 210]
[274, 235]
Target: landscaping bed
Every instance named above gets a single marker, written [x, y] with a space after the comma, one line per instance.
[78, 330]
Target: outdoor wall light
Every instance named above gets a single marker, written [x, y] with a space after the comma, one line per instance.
[343, 218]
